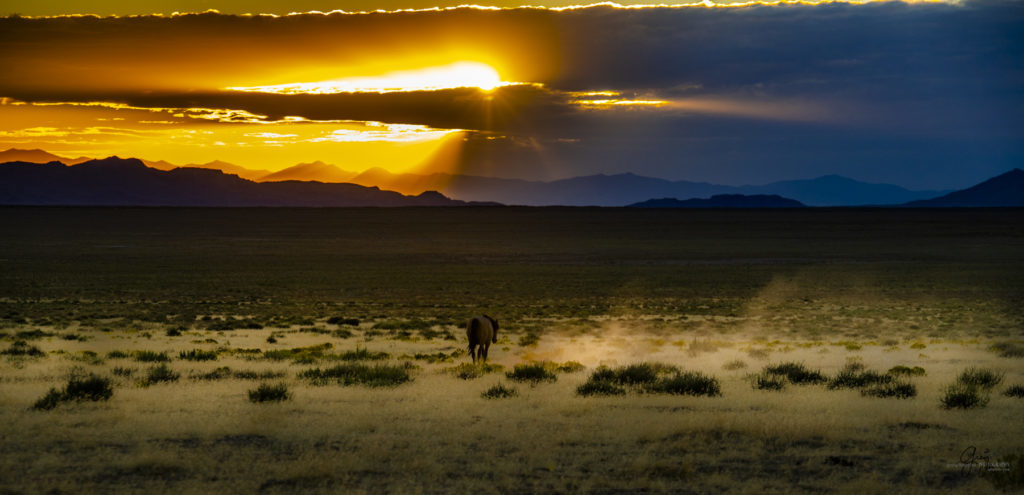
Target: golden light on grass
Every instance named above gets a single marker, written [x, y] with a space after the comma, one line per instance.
[463, 74]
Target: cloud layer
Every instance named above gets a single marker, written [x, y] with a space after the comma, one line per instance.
[750, 94]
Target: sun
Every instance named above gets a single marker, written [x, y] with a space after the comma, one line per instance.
[456, 75]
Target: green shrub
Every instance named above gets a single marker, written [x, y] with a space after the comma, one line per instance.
[79, 388]
[379, 375]
[469, 371]
[21, 348]
[302, 355]
[686, 383]
[648, 378]
[1014, 391]
[92, 387]
[796, 373]
[529, 339]
[499, 391]
[198, 355]
[150, 356]
[269, 393]
[599, 387]
[118, 355]
[906, 371]
[570, 367]
[963, 396]
[217, 374]
[851, 378]
[534, 373]
[52, 399]
[896, 389]
[982, 378]
[341, 320]
[768, 381]
[362, 355]
[160, 374]
[123, 371]
[1008, 349]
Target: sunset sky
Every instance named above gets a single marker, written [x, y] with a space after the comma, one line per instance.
[925, 95]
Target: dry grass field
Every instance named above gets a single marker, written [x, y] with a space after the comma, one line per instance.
[183, 315]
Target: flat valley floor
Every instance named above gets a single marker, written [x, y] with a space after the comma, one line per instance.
[184, 312]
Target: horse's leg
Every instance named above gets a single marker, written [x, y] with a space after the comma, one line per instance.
[483, 351]
[472, 352]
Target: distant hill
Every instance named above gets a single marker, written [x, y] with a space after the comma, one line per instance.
[723, 201]
[628, 188]
[228, 168]
[37, 156]
[129, 182]
[316, 171]
[1003, 190]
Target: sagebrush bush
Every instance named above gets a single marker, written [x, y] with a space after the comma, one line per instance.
[796, 373]
[379, 375]
[118, 355]
[301, 355]
[341, 320]
[198, 355]
[963, 396]
[570, 367]
[850, 377]
[52, 399]
[983, 378]
[499, 391]
[269, 393]
[362, 355]
[123, 371]
[534, 373]
[160, 374]
[599, 387]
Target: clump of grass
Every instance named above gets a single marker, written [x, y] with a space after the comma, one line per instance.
[362, 355]
[231, 323]
[79, 388]
[341, 320]
[32, 334]
[150, 356]
[256, 375]
[21, 348]
[198, 355]
[173, 332]
[160, 374]
[302, 355]
[982, 378]
[469, 371]
[698, 346]
[123, 371]
[962, 396]
[499, 391]
[271, 340]
[648, 378]
[534, 373]
[796, 373]
[855, 376]
[437, 357]
[918, 345]
[1014, 391]
[735, 364]
[570, 367]
[529, 339]
[1008, 349]
[379, 375]
[900, 370]
[269, 393]
[89, 357]
[599, 387]
[342, 333]
[761, 354]
[217, 374]
[768, 381]
[895, 389]
[118, 355]
[686, 383]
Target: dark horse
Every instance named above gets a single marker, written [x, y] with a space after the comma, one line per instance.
[482, 331]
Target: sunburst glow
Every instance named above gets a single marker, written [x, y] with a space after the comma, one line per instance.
[456, 75]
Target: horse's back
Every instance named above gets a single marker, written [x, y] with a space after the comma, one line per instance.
[479, 330]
